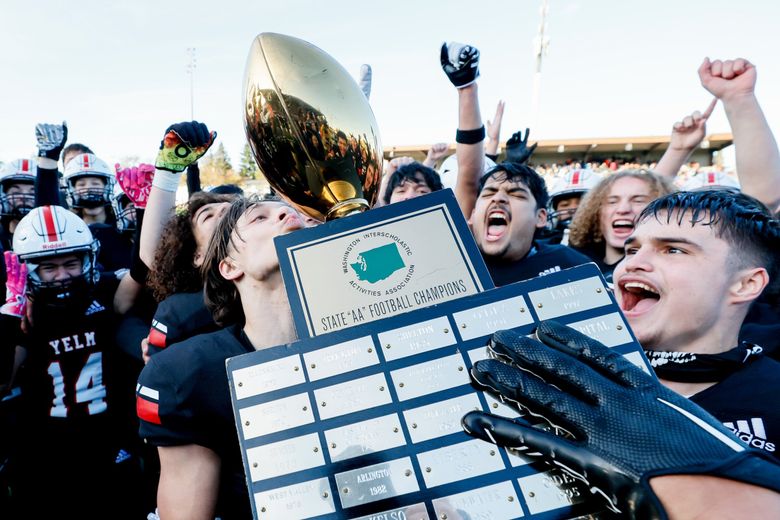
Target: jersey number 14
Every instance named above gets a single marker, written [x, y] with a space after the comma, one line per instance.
[89, 387]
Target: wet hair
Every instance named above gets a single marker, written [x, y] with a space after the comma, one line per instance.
[221, 295]
[585, 228]
[516, 172]
[408, 172]
[743, 222]
[174, 271]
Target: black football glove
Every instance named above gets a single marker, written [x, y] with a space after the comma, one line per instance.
[517, 149]
[182, 145]
[627, 427]
[51, 139]
[461, 63]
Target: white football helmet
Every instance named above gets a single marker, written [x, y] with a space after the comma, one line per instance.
[89, 165]
[124, 210]
[574, 182]
[53, 231]
[448, 171]
[20, 171]
[710, 180]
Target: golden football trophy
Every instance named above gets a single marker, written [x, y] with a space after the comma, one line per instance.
[310, 128]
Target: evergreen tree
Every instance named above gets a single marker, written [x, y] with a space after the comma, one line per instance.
[247, 168]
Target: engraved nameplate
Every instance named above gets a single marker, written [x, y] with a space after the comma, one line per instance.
[478, 354]
[429, 377]
[287, 456]
[411, 512]
[569, 298]
[342, 358]
[365, 437]
[459, 461]
[496, 502]
[439, 419]
[550, 490]
[486, 319]
[267, 377]
[417, 338]
[609, 330]
[304, 500]
[352, 396]
[376, 482]
[276, 416]
[496, 406]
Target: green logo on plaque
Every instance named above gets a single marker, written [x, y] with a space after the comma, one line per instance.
[378, 263]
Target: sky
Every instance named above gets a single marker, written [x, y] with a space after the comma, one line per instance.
[117, 71]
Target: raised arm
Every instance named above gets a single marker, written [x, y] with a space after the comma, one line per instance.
[182, 145]
[494, 132]
[51, 140]
[687, 135]
[461, 64]
[758, 159]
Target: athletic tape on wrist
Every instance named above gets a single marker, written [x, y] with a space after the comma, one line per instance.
[165, 180]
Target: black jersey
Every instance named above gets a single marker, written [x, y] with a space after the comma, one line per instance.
[179, 317]
[183, 398]
[542, 259]
[746, 402]
[116, 250]
[68, 397]
[68, 356]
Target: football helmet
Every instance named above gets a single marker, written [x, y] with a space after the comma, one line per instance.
[88, 165]
[710, 180]
[124, 209]
[448, 171]
[574, 182]
[52, 231]
[13, 203]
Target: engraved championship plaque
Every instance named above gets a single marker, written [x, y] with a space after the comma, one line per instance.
[382, 263]
[365, 422]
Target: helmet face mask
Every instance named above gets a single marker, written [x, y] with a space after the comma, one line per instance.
[88, 168]
[15, 201]
[71, 293]
[575, 183]
[50, 232]
[124, 210]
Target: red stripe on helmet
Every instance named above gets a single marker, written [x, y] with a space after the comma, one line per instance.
[147, 410]
[711, 178]
[575, 179]
[48, 222]
[85, 161]
[26, 165]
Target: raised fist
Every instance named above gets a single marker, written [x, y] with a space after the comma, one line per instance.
[51, 139]
[182, 145]
[460, 62]
[728, 79]
[136, 182]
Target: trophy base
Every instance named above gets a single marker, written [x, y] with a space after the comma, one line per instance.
[346, 208]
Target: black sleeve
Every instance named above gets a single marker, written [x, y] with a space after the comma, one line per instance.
[193, 178]
[47, 187]
[492, 156]
[138, 269]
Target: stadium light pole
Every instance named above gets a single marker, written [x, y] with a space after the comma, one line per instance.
[540, 46]
[191, 64]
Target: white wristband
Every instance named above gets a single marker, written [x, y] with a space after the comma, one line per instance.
[166, 180]
[47, 164]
